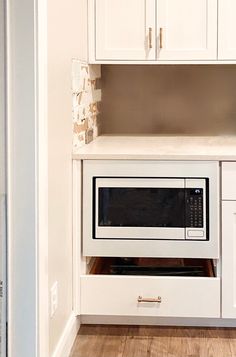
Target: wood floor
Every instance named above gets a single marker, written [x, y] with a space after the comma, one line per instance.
[138, 341]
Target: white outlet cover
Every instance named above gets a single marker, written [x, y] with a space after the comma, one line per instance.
[53, 298]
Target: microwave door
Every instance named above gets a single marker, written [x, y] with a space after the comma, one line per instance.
[139, 208]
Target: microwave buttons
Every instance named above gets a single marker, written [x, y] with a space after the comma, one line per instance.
[194, 208]
[195, 234]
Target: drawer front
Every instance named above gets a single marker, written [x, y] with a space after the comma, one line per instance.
[229, 180]
[180, 297]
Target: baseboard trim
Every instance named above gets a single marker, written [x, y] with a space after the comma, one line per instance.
[157, 321]
[68, 337]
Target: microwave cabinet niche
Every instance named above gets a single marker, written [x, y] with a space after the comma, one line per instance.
[151, 208]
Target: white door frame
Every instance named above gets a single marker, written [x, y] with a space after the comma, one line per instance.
[3, 253]
[42, 118]
[27, 178]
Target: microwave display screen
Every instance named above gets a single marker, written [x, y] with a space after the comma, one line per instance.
[150, 207]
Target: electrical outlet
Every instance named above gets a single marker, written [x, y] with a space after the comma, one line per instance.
[54, 299]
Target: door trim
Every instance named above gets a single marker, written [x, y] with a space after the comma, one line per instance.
[27, 177]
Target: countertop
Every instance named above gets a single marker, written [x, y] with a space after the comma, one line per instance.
[106, 147]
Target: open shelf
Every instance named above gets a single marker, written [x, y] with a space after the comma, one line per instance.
[153, 267]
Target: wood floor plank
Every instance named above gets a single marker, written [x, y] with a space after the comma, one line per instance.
[146, 341]
[99, 341]
[136, 346]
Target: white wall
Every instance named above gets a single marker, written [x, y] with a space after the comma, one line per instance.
[67, 39]
[178, 100]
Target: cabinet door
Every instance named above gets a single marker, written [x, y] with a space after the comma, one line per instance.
[227, 30]
[187, 29]
[229, 181]
[229, 259]
[125, 29]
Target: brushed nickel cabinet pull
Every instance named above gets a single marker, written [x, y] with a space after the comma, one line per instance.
[142, 299]
[150, 37]
[161, 37]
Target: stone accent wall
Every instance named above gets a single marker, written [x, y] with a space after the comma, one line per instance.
[86, 93]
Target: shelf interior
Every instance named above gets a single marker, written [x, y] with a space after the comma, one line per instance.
[153, 267]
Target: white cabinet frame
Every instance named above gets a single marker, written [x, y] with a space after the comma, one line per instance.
[229, 259]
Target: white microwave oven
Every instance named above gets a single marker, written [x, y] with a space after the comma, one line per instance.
[154, 209]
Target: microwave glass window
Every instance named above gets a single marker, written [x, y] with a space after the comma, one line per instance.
[141, 207]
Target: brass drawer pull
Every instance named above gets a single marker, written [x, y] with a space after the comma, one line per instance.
[150, 37]
[157, 300]
[161, 37]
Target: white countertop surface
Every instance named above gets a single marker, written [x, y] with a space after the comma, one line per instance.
[220, 148]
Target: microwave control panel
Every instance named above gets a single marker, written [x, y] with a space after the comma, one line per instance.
[194, 208]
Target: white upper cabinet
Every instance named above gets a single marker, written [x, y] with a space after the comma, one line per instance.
[125, 30]
[162, 31]
[187, 29]
[227, 29]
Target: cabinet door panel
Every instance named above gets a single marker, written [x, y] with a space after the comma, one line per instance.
[227, 30]
[229, 259]
[125, 30]
[189, 29]
[229, 181]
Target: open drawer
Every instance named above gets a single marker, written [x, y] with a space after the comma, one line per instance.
[143, 295]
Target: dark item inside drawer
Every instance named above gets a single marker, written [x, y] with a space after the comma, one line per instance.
[153, 267]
